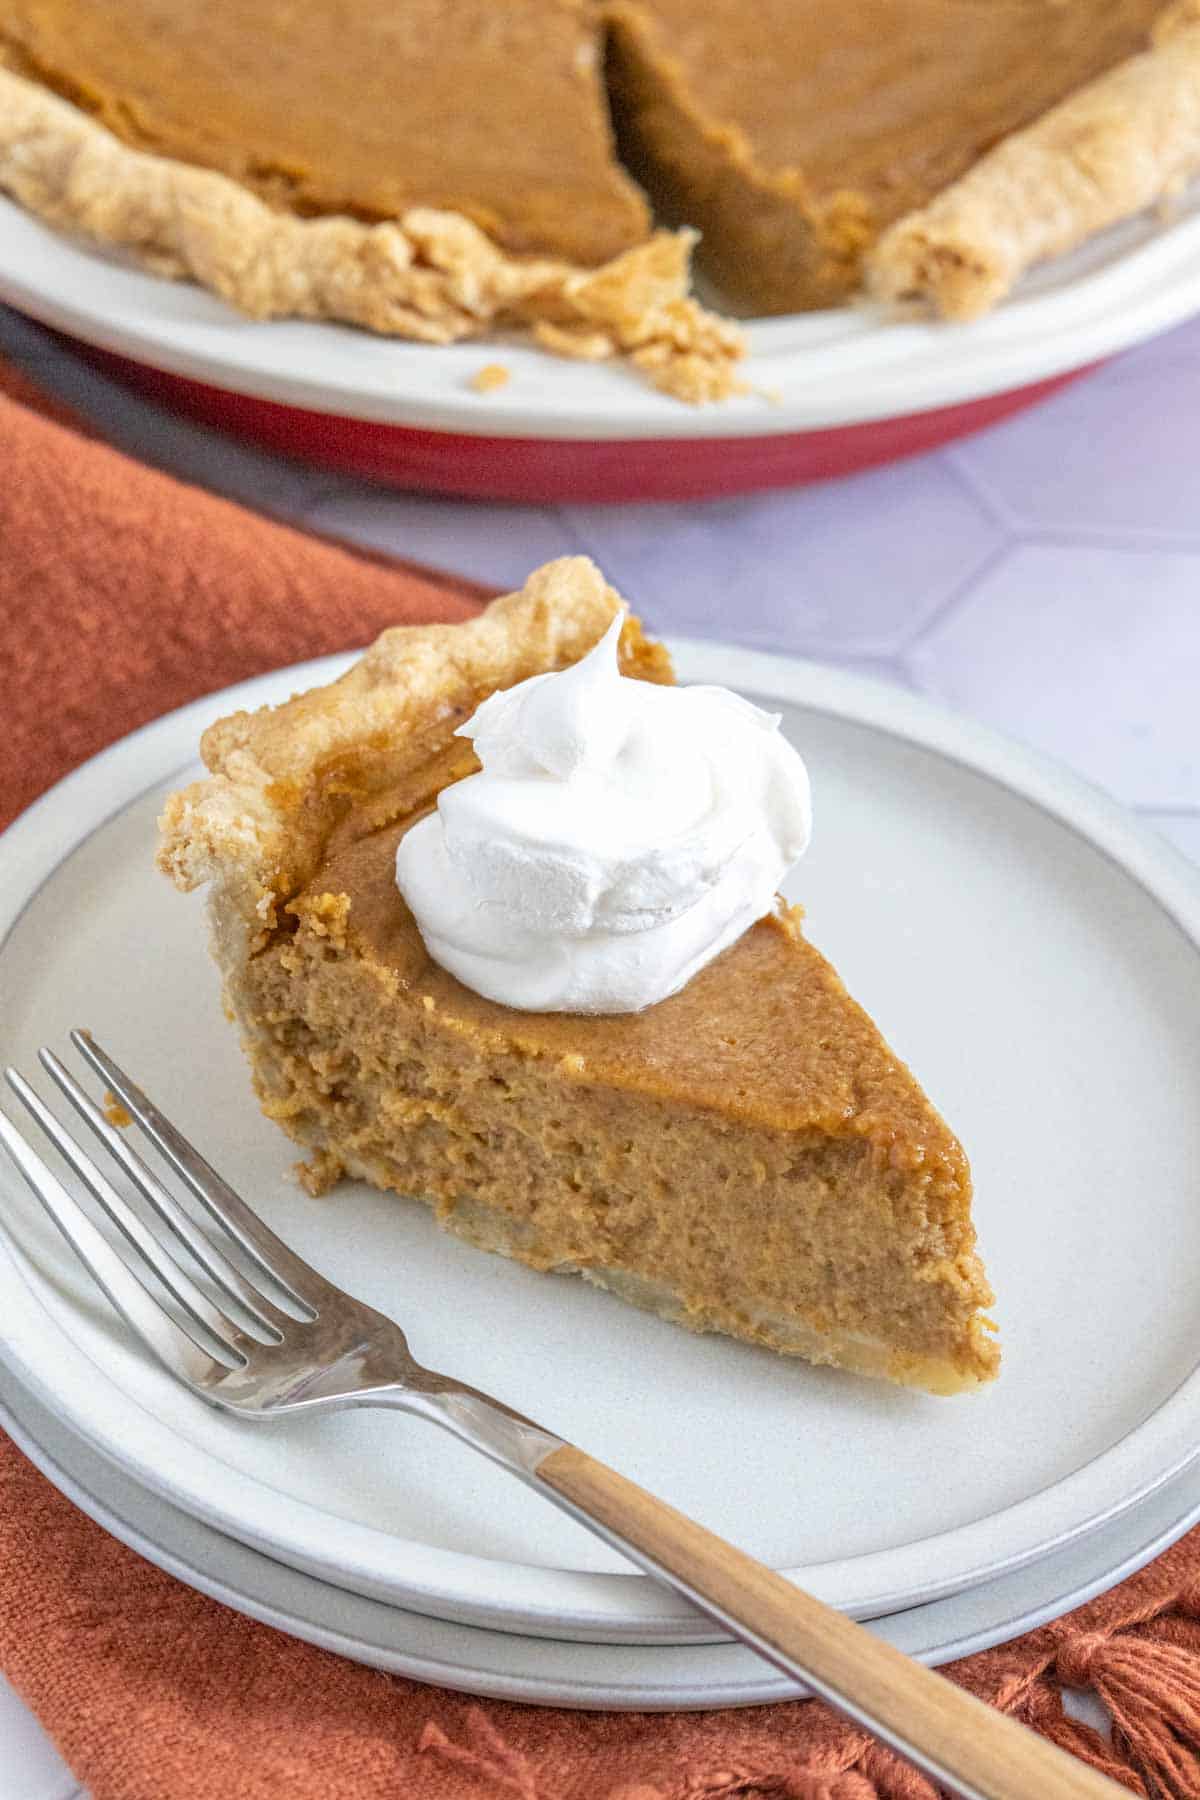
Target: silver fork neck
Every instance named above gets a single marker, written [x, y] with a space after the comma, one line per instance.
[504, 1436]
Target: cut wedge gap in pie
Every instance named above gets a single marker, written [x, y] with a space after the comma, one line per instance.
[747, 1156]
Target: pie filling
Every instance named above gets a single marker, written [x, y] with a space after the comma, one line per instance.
[572, 1145]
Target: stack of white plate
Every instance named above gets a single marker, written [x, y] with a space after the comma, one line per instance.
[1027, 947]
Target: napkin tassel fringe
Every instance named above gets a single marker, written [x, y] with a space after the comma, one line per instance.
[487, 1754]
[1147, 1677]
[1150, 1686]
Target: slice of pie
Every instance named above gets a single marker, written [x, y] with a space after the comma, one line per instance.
[747, 1156]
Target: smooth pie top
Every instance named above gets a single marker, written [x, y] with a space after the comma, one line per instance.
[889, 99]
[364, 107]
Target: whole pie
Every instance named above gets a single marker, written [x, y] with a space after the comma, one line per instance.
[747, 1156]
[433, 168]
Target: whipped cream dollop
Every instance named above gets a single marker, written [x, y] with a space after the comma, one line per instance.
[620, 835]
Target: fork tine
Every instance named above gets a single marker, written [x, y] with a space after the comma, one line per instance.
[269, 1253]
[141, 1240]
[229, 1280]
[173, 1343]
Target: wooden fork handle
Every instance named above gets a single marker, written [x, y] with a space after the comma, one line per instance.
[955, 1739]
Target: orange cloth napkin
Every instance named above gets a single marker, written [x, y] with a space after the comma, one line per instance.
[123, 593]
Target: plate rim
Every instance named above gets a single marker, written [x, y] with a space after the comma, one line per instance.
[606, 1606]
[822, 370]
[670, 1676]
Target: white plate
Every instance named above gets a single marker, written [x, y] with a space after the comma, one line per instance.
[822, 369]
[1030, 950]
[642, 1678]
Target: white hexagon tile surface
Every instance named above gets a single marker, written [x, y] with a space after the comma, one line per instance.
[1043, 576]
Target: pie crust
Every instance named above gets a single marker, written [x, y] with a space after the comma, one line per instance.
[1128, 139]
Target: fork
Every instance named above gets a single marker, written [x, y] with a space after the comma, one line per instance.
[282, 1339]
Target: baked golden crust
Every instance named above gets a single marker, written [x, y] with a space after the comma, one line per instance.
[1107, 152]
[428, 275]
[281, 778]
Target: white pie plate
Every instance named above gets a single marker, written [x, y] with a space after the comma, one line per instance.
[501, 1666]
[1032, 952]
[821, 370]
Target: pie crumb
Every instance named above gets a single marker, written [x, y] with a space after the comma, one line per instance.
[581, 345]
[114, 1112]
[490, 377]
[325, 915]
[321, 1172]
